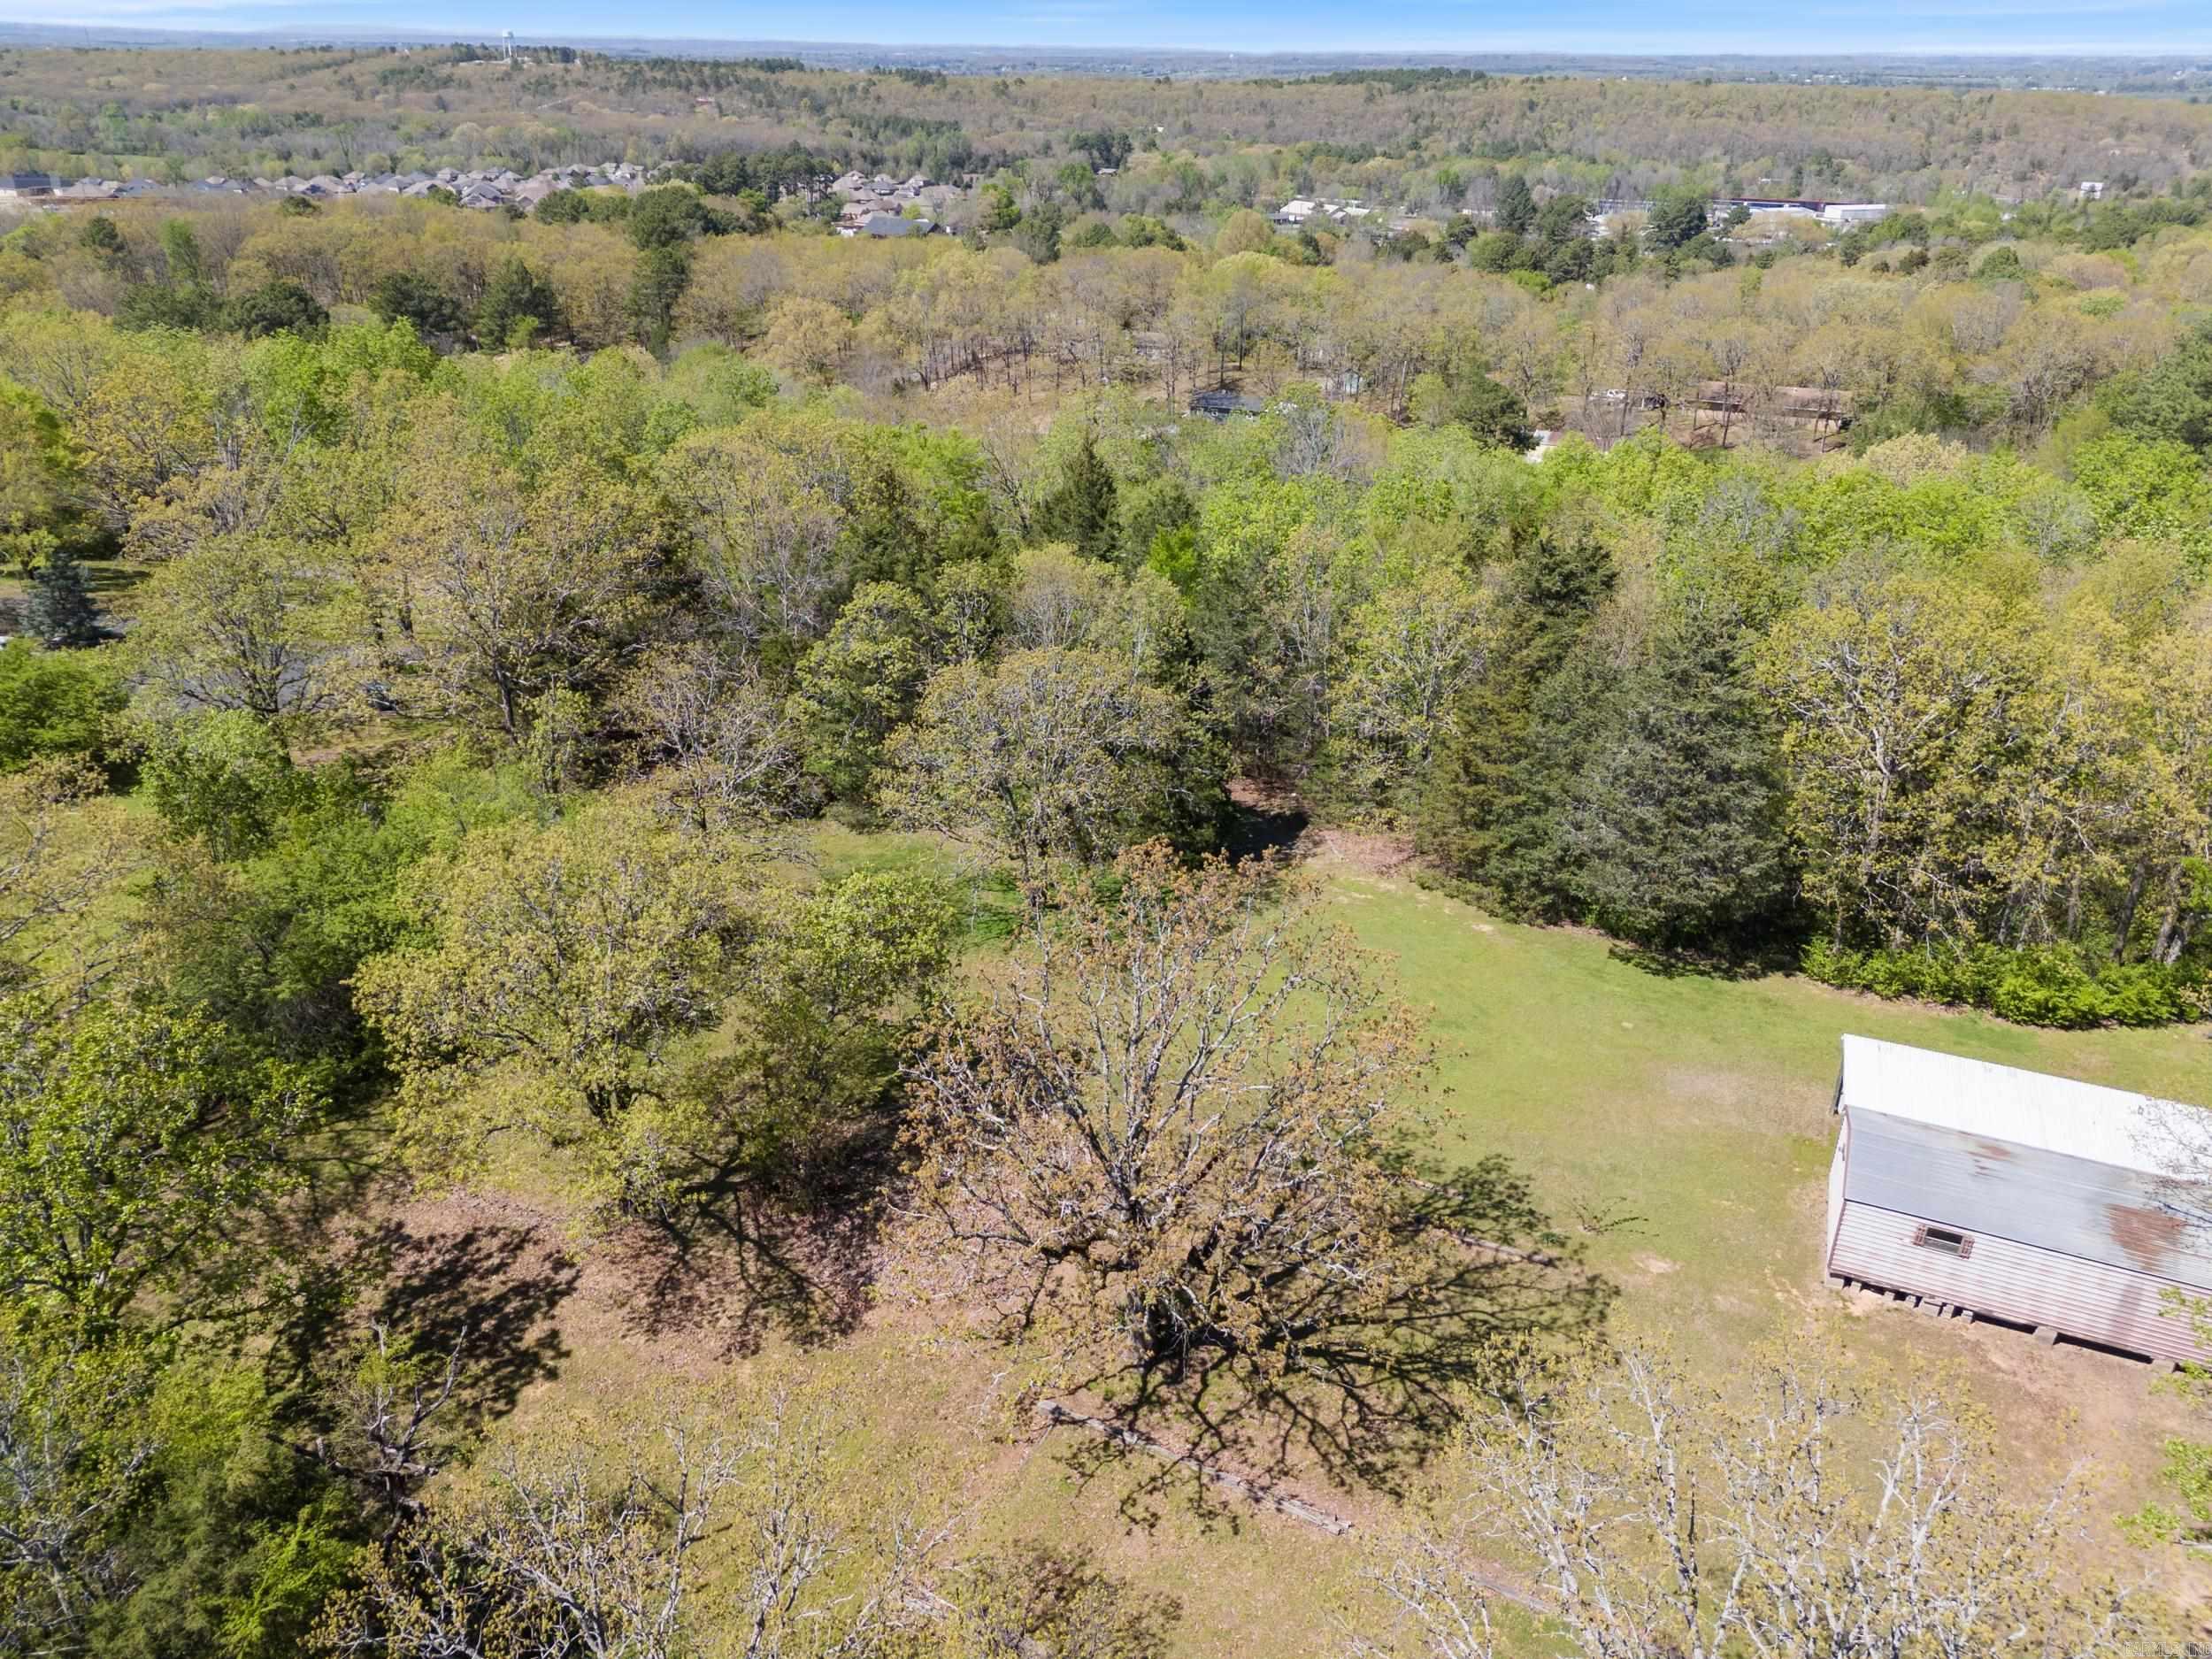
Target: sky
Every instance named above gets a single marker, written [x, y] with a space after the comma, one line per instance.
[2104, 27]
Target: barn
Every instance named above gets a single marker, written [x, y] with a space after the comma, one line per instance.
[1990, 1192]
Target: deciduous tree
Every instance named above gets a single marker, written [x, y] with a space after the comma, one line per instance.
[1901, 700]
[1166, 1144]
[141, 1146]
[254, 623]
[711, 1527]
[1798, 1509]
[1042, 755]
[66, 850]
[559, 963]
[511, 593]
[719, 734]
[75, 1449]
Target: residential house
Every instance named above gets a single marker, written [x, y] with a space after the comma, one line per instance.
[887, 224]
[1221, 405]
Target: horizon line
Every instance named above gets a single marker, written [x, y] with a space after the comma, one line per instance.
[413, 33]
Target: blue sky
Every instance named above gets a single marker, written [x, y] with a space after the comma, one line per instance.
[1584, 25]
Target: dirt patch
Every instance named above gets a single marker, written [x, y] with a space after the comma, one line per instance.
[1369, 852]
[493, 1279]
[1256, 795]
[803, 1279]
[686, 1306]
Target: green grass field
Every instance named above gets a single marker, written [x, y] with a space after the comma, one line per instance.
[1678, 1124]
[1698, 1105]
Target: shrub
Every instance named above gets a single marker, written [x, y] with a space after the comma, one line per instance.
[224, 777]
[2039, 985]
[55, 705]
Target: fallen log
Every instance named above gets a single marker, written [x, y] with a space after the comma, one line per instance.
[1468, 1241]
[1297, 1508]
[1507, 1590]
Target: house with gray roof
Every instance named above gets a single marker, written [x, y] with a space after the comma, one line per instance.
[889, 225]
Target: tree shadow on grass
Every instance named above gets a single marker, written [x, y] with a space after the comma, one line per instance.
[747, 1269]
[1483, 1298]
[794, 1252]
[490, 1290]
[495, 1290]
[1665, 964]
[343, 1170]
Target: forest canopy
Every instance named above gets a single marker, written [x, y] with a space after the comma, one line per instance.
[627, 750]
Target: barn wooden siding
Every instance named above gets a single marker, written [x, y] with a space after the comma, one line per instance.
[2089, 1300]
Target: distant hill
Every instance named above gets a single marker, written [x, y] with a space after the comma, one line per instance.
[2163, 76]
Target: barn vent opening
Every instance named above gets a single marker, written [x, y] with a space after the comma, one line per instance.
[1944, 1239]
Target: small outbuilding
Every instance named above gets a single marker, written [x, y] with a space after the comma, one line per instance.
[1984, 1190]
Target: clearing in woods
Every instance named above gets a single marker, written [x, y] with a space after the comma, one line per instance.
[1680, 1123]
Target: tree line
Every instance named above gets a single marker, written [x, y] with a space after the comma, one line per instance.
[1921, 717]
[1944, 323]
[1398, 137]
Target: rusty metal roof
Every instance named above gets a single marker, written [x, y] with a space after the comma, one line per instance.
[1978, 1184]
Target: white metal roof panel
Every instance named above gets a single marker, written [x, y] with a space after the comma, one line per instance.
[2027, 1109]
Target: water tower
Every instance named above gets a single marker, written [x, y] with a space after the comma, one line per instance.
[507, 44]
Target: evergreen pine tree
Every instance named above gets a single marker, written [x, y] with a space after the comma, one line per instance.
[1680, 217]
[515, 297]
[181, 259]
[1515, 211]
[101, 239]
[1082, 510]
[2173, 398]
[664, 270]
[1491, 810]
[1671, 832]
[888, 541]
[1493, 412]
[60, 610]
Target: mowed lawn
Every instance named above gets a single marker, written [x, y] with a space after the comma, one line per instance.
[1677, 1126]
[1693, 1112]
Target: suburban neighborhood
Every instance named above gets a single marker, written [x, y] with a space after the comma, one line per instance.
[479, 188]
[875, 205]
